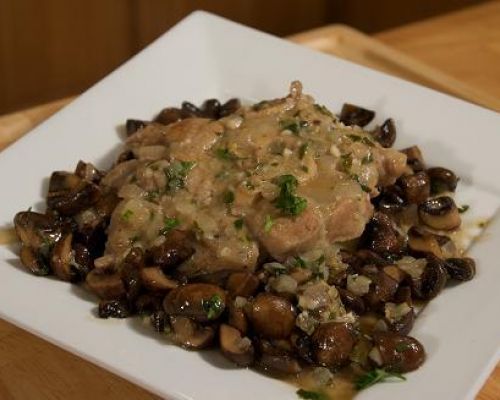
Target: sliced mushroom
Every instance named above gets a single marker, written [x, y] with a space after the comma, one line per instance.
[159, 321]
[355, 115]
[175, 249]
[440, 213]
[352, 301]
[211, 109]
[169, 115]
[383, 289]
[414, 158]
[391, 199]
[130, 272]
[38, 231]
[302, 345]
[461, 269]
[229, 107]
[106, 286]
[69, 194]
[279, 365]
[237, 318]
[34, 261]
[133, 125]
[88, 172]
[332, 343]
[442, 180]
[433, 279]
[189, 334]
[398, 353]
[236, 348]
[147, 303]
[113, 309]
[62, 257]
[155, 280]
[242, 284]
[272, 316]
[423, 242]
[202, 302]
[381, 236]
[400, 317]
[385, 134]
[416, 187]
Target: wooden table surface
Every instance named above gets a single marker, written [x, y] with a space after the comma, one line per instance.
[464, 44]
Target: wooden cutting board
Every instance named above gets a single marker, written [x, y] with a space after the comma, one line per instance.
[48, 372]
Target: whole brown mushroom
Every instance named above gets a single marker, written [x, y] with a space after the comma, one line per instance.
[272, 316]
[440, 213]
[332, 343]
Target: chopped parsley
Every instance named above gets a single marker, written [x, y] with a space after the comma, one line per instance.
[225, 154]
[309, 395]
[287, 201]
[346, 161]
[367, 159]
[213, 306]
[303, 150]
[169, 224]
[323, 110]
[300, 262]
[463, 209]
[362, 139]
[228, 197]
[365, 188]
[374, 376]
[238, 224]
[127, 215]
[176, 174]
[268, 223]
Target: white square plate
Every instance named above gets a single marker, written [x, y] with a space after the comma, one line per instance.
[206, 56]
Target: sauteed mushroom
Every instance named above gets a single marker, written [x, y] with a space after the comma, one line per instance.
[414, 158]
[416, 187]
[440, 213]
[242, 284]
[442, 180]
[381, 237]
[236, 348]
[272, 316]
[155, 280]
[133, 125]
[433, 279]
[68, 193]
[113, 309]
[355, 115]
[332, 344]
[461, 269]
[396, 352]
[189, 334]
[108, 286]
[385, 134]
[422, 242]
[175, 249]
[203, 302]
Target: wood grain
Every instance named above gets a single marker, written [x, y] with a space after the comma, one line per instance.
[47, 372]
[464, 45]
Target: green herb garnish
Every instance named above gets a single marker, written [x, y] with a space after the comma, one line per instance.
[323, 110]
[463, 209]
[290, 125]
[365, 188]
[176, 174]
[374, 376]
[287, 201]
[169, 224]
[300, 262]
[228, 197]
[268, 223]
[362, 139]
[309, 395]
[367, 159]
[346, 160]
[127, 215]
[213, 306]
[225, 154]
[238, 224]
